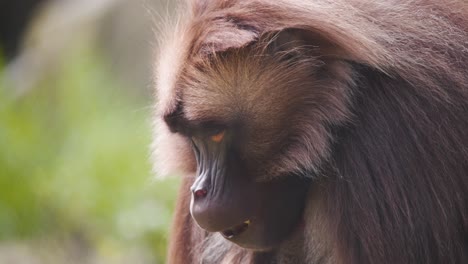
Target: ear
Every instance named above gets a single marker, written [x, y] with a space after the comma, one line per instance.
[220, 31]
[229, 35]
[225, 33]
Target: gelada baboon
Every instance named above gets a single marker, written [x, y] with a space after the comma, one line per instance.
[317, 131]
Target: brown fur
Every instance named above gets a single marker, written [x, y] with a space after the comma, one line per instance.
[375, 109]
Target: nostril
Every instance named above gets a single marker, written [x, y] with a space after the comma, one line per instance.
[200, 193]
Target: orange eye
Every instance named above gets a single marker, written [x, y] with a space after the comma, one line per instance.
[218, 137]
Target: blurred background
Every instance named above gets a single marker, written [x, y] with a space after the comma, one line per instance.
[76, 99]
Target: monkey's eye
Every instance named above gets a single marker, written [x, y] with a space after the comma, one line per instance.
[218, 136]
[210, 131]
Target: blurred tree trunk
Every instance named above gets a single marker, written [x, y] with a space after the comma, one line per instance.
[14, 19]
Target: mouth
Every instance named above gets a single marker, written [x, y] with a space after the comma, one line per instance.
[236, 230]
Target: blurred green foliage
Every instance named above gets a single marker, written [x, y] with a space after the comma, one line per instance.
[74, 163]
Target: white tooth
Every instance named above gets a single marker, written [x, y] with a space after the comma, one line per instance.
[247, 222]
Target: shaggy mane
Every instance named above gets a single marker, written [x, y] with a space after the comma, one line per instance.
[398, 164]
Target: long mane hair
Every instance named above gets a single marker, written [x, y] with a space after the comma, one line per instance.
[397, 168]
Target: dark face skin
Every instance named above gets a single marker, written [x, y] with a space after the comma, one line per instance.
[226, 198]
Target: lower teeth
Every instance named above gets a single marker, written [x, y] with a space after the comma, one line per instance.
[230, 233]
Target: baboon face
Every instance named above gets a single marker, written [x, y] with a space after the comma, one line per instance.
[240, 112]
